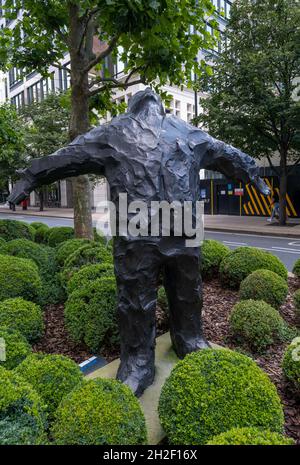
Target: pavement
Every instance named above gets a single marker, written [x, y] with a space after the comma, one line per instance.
[233, 231]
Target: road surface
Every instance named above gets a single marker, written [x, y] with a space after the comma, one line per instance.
[288, 250]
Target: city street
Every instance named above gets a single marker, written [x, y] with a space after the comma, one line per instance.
[287, 249]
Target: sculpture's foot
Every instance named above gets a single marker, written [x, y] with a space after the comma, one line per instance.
[183, 348]
[137, 373]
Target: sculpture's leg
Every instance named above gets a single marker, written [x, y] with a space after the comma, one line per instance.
[183, 286]
[136, 269]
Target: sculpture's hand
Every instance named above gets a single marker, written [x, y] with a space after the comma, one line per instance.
[261, 186]
[21, 189]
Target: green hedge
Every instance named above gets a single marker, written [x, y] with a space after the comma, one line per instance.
[296, 269]
[162, 299]
[24, 248]
[16, 348]
[237, 265]
[250, 437]
[52, 376]
[65, 249]
[91, 314]
[41, 235]
[59, 234]
[297, 302]
[20, 403]
[85, 255]
[19, 432]
[19, 277]
[89, 273]
[214, 390]
[264, 285]
[100, 412]
[2, 242]
[258, 325]
[23, 316]
[13, 229]
[291, 364]
[213, 252]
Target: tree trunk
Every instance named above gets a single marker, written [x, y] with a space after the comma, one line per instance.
[283, 189]
[79, 124]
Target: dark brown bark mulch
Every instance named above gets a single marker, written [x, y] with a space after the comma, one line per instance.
[218, 303]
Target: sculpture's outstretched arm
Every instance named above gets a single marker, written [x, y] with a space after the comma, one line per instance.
[86, 154]
[226, 159]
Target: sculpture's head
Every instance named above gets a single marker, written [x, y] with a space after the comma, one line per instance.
[146, 100]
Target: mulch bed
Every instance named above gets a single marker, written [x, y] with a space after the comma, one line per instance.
[218, 303]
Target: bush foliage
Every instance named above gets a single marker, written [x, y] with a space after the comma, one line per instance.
[19, 403]
[86, 255]
[212, 253]
[297, 302]
[264, 285]
[2, 242]
[250, 437]
[24, 248]
[37, 224]
[19, 277]
[212, 391]
[23, 316]
[65, 249]
[296, 269]
[59, 234]
[13, 229]
[90, 313]
[258, 325]
[89, 273]
[17, 348]
[52, 377]
[291, 364]
[100, 412]
[41, 234]
[237, 265]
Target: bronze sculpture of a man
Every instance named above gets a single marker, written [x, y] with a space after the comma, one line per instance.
[150, 156]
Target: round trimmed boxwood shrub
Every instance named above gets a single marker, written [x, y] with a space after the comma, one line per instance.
[19, 277]
[2, 242]
[52, 376]
[91, 313]
[258, 325]
[19, 432]
[16, 347]
[65, 249]
[89, 273]
[213, 253]
[162, 299]
[214, 390]
[38, 224]
[264, 285]
[237, 265]
[296, 269]
[59, 234]
[250, 437]
[297, 301]
[13, 229]
[41, 234]
[85, 255]
[100, 412]
[291, 364]
[20, 402]
[24, 248]
[23, 316]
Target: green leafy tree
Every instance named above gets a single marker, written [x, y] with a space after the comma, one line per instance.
[156, 37]
[11, 144]
[254, 101]
[46, 125]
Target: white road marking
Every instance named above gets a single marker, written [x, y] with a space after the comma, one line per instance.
[295, 244]
[235, 243]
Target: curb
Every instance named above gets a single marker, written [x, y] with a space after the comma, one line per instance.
[255, 233]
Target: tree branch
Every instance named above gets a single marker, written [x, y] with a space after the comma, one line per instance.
[111, 45]
[59, 66]
[120, 85]
[272, 166]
